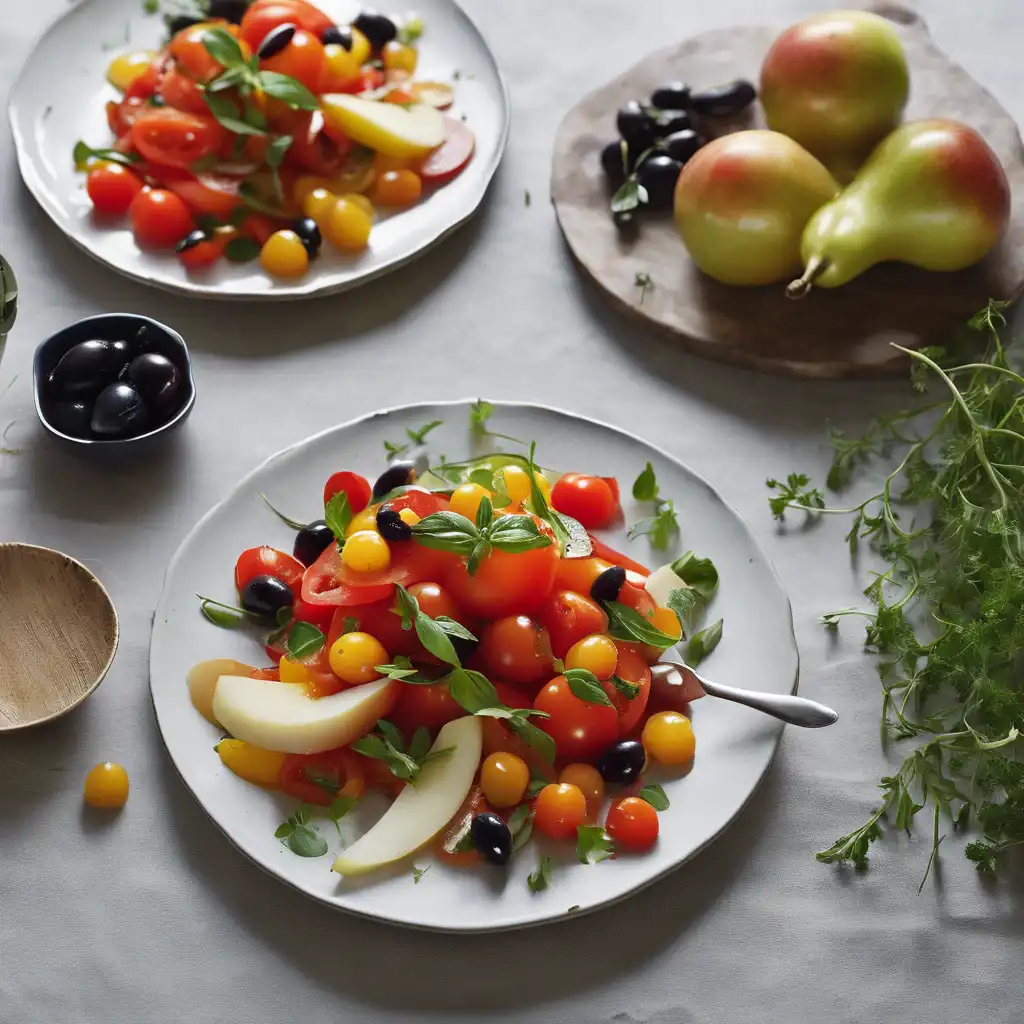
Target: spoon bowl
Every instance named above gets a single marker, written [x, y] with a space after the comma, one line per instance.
[58, 634]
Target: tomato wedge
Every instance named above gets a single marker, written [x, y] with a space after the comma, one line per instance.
[609, 554]
[173, 138]
[452, 155]
[356, 487]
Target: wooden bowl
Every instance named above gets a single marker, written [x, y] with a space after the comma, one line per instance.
[58, 634]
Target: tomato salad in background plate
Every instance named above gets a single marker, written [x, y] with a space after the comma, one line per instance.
[455, 637]
[264, 138]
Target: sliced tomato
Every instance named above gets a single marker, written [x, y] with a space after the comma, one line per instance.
[356, 487]
[423, 502]
[121, 116]
[318, 615]
[321, 778]
[609, 554]
[452, 155]
[267, 561]
[181, 92]
[172, 138]
[215, 195]
[146, 84]
[633, 668]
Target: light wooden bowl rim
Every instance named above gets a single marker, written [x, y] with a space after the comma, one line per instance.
[102, 591]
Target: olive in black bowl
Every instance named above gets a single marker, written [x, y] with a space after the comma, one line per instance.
[157, 380]
[118, 411]
[85, 369]
[658, 173]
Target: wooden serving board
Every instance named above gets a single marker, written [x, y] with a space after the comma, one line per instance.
[840, 332]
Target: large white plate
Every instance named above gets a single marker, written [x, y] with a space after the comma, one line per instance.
[59, 97]
[734, 744]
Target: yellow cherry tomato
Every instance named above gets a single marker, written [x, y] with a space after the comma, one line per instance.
[668, 738]
[354, 655]
[587, 779]
[284, 255]
[503, 779]
[360, 46]
[254, 764]
[361, 201]
[596, 653]
[382, 163]
[106, 786]
[466, 499]
[667, 621]
[293, 671]
[307, 183]
[544, 487]
[397, 188]
[516, 481]
[398, 57]
[365, 520]
[340, 65]
[408, 516]
[318, 204]
[366, 551]
[348, 226]
[126, 68]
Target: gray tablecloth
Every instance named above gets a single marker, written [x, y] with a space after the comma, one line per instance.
[157, 918]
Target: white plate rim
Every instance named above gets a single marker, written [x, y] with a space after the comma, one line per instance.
[292, 292]
[556, 916]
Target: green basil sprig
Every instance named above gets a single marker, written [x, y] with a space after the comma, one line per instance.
[387, 744]
[624, 623]
[585, 685]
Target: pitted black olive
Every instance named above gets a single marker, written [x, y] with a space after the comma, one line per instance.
[309, 235]
[157, 379]
[398, 474]
[608, 585]
[191, 240]
[73, 417]
[391, 526]
[311, 541]
[275, 41]
[723, 100]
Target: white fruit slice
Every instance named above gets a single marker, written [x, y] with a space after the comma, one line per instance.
[202, 680]
[387, 128]
[280, 716]
[421, 811]
[662, 582]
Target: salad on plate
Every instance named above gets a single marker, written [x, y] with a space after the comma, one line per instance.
[456, 637]
[263, 129]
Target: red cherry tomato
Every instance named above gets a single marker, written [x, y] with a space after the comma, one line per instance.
[267, 561]
[356, 487]
[302, 59]
[430, 706]
[379, 620]
[258, 226]
[505, 582]
[581, 730]
[160, 220]
[182, 92]
[264, 15]
[211, 194]
[206, 253]
[568, 617]
[320, 778]
[452, 155]
[631, 668]
[588, 499]
[121, 116]
[146, 84]
[559, 810]
[112, 188]
[609, 554]
[189, 50]
[424, 503]
[633, 824]
[173, 138]
[517, 649]
[434, 600]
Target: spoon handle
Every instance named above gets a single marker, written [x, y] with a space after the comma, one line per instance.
[794, 710]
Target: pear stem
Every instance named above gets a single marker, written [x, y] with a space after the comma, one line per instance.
[801, 287]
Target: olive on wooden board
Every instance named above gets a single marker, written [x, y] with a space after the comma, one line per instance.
[658, 174]
[673, 96]
[723, 100]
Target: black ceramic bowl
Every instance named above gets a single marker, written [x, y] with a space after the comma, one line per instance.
[147, 336]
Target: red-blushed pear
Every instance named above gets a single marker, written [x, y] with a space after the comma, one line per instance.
[837, 83]
[933, 194]
[742, 202]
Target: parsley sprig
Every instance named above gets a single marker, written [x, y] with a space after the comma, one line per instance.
[387, 744]
[945, 615]
[416, 437]
[662, 527]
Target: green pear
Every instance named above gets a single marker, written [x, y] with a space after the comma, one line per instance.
[741, 204]
[837, 83]
[933, 194]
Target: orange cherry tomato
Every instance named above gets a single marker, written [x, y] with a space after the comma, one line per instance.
[112, 188]
[302, 59]
[173, 138]
[633, 824]
[396, 188]
[356, 488]
[588, 499]
[321, 778]
[581, 730]
[587, 779]
[560, 808]
[569, 616]
[517, 649]
[160, 220]
[267, 561]
[498, 739]
[188, 48]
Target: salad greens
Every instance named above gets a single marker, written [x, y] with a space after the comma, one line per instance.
[663, 526]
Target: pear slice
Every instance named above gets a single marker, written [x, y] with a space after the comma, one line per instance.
[387, 128]
[202, 681]
[421, 810]
[282, 717]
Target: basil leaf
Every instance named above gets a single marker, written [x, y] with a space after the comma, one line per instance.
[338, 516]
[446, 531]
[339, 807]
[537, 738]
[435, 639]
[400, 668]
[304, 639]
[371, 745]
[453, 628]
[419, 744]
[626, 624]
[699, 573]
[627, 689]
[241, 250]
[592, 845]
[516, 533]
[222, 47]
[418, 873]
[276, 151]
[520, 824]
[306, 841]
[284, 830]
[481, 549]
[227, 115]
[537, 783]
[288, 90]
[685, 603]
[538, 880]
[220, 616]
[659, 528]
[645, 487]
[585, 685]
[83, 153]
[392, 734]
[485, 513]
[655, 796]
[472, 690]
[229, 79]
[703, 643]
[483, 478]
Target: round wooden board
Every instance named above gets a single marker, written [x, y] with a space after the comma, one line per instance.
[841, 332]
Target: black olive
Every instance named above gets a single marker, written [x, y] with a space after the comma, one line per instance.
[491, 837]
[398, 474]
[391, 526]
[229, 10]
[682, 145]
[723, 100]
[636, 126]
[607, 586]
[658, 173]
[266, 595]
[87, 368]
[668, 121]
[627, 223]
[191, 240]
[309, 235]
[312, 541]
[73, 417]
[378, 28]
[339, 36]
[674, 96]
[119, 412]
[612, 161]
[275, 41]
[158, 381]
[180, 22]
[622, 762]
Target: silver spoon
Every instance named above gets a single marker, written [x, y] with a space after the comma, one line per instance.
[670, 681]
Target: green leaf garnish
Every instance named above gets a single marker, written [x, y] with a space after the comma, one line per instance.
[699, 573]
[592, 845]
[645, 487]
[242, 250]
[539, 880]
[627, 689]
[83, 153]
[418, 873]
[388, 745]
[449, 531]
[338, 516]
[655, 796]
[794, 493]
[299, 836]
[664, 524]
[626, 624]
[472, 690]
[585, 685]
[703, 643]
[304, 640]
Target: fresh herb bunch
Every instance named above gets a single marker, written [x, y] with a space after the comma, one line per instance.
[948, 616]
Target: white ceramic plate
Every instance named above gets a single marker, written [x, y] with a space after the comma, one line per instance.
[59, 97]
[734, 744]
